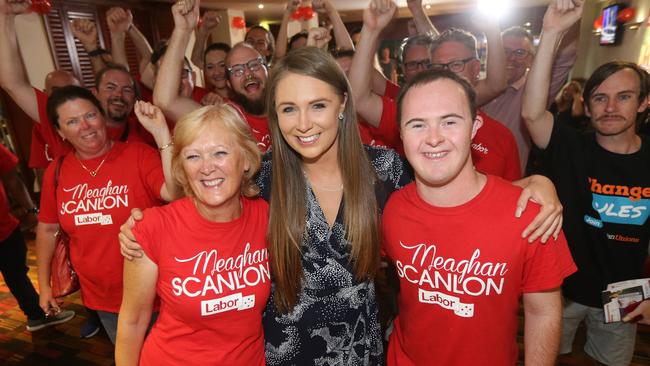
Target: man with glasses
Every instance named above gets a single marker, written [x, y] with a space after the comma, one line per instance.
[247, 73]
[519, 47]
[494, 150]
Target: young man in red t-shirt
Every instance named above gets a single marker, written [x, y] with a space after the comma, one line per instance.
[459, 254]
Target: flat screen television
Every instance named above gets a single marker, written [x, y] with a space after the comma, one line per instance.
[611, 30]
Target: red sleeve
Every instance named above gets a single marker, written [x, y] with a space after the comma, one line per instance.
[151, 171]
[392, 90]
[48, 213]
[513, 166]
[8, 161]
[388, 125]
[37, 158]
[41, 101]
[147, 233]
[547, 265]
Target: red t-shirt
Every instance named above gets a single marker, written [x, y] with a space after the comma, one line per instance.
[91, 210]
[386, 135]
[392, 90]
[8, 222]
[38, 149]
[462, 271]
[259, 126]
[494, 150]
[213, 281]
[388, 121]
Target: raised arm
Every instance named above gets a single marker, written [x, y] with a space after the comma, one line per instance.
[211, 20]
[119, 21]
[85, 31]
[142, 47]
[495, 81]
[152, 119]
[542, 327]
[319, 37]
[12, 77]
[281, 43]
[165, 92]
[422, 22]
[558, 18]
[375, 18]
[341, 35]
[140, 277]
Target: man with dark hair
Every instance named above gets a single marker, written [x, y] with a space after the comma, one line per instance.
[464, 284]
[603, 179]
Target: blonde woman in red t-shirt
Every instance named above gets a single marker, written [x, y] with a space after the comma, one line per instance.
[205, 254]
[88, 193]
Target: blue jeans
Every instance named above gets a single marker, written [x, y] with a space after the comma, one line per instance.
[109, 321]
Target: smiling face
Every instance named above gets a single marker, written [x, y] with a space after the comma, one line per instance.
[214, 165]
[250, 84]
[215, 69]
[437, 132]
[614, 104]
[82, 124]
[116, 93]
[308, 111]
[516, 65]
[259, 39]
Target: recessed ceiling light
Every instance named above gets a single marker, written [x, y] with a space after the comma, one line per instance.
[428, 6]
[527, 24]
[260, 6]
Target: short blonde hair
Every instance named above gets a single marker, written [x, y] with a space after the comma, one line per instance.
[192, 125]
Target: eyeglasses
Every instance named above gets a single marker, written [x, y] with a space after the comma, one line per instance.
[252, 65]
[414, 65]
[518, 54]
[454, 66]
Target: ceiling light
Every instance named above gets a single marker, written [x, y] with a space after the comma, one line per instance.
[428, 6]
[527, 24]
[494, 8]
[260, 6]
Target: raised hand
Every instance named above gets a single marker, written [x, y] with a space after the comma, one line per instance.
[562, 14]
[85, 31]
[321, 6]
[378, 14]
[211, 99]
[211, 20]
[186, 14]
[292, 5]
[150, 117]
[319, 37]
[414, 4]
[119, 20]
[13, 7]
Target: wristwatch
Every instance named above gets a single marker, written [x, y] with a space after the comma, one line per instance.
[33, 210]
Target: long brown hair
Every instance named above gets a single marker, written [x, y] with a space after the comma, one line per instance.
[288, 206]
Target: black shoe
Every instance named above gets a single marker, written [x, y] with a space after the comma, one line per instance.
[61, 317]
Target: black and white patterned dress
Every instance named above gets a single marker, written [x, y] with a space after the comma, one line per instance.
[335, 320]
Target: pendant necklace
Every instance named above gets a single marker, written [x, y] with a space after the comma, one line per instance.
[93, 173]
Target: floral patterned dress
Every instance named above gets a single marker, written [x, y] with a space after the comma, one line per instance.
[335, 319]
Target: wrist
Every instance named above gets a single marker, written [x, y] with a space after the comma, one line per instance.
[33, 210]
[90, 47]
[97, 52]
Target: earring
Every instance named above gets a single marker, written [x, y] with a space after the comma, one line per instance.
[341, 117]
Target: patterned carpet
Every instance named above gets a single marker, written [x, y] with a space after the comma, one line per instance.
[61, 345]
